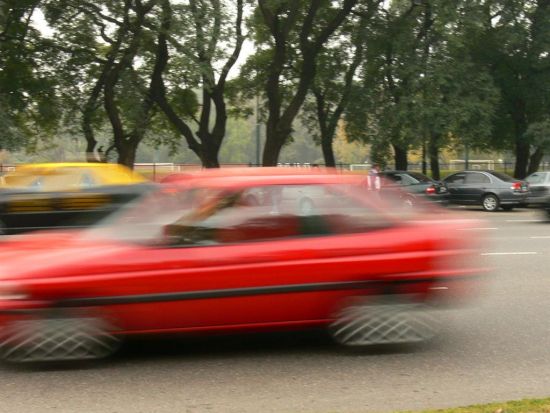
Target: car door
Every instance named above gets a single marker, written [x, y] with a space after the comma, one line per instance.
[253, 265]
[475, 186]
[455, 184]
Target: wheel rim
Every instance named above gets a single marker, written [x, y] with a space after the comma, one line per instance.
[490, 203]
[408, 203]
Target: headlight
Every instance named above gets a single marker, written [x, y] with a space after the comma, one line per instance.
[11, 292]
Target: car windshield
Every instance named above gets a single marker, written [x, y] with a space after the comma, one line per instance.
[142, 221]
[502, 177]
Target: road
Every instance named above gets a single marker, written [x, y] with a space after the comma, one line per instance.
[495, 350]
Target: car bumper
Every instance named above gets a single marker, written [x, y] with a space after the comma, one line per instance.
[515, 199]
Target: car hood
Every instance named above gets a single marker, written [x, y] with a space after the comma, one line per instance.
[47, 254]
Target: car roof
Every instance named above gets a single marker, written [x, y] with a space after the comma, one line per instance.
[260, 176]
[397, 171]
[110, 173]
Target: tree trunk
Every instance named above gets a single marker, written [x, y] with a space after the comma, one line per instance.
[522, 158]
[424, 163]
[534, 161]
[273, 144]
[328, 152]
[433, 150]
[127, 154]
[209, 156]
[400, 153]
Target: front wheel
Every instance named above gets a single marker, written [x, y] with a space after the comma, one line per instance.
[490, 203]
[57, 338]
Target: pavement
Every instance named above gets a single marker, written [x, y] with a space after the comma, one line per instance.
[497, 349]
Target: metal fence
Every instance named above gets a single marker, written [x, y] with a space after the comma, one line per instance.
[157, 170]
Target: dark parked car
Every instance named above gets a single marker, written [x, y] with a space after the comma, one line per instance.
[539, 188]
[415, 185]
[539, 191]
[489, 189]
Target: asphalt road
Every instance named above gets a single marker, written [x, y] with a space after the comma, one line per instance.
[495, 350]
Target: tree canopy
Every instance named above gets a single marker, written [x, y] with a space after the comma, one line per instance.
[399, 76]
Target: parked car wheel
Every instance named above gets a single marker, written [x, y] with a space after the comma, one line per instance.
[384, 321]
[490, 202]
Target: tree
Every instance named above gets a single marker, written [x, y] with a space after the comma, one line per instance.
[28, 102]
[290, 36]
[107, 63]
[336, 70]
[200, 37]
[421, 87]
[513, 42]
[383, 108]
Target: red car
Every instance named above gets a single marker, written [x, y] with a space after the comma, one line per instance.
[260, 249]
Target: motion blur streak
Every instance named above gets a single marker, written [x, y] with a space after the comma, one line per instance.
[255, 249]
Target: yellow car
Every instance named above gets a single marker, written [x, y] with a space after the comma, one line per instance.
[69, 176]
[40, 196]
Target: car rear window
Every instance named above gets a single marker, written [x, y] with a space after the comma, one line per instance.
[420, 177]
[503, 177]
[536, 178]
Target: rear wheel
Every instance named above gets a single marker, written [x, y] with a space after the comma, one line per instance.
[58, 338]
[490, 202]
[384, 321]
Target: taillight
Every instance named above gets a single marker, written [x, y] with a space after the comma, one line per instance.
[430, 190]
[516, 186]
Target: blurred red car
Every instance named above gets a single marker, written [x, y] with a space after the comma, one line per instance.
[259, 249]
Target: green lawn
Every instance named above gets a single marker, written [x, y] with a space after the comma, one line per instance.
[519, 406]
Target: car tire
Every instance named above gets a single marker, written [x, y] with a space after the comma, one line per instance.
[490, 202]
[384, 321]
[57, 338]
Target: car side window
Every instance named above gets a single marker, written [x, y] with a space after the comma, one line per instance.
[272, 213]
[455, 179]
[477, 178]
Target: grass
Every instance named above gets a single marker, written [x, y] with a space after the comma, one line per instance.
[518, 406]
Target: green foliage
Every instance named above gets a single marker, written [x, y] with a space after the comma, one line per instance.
[449, 73]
